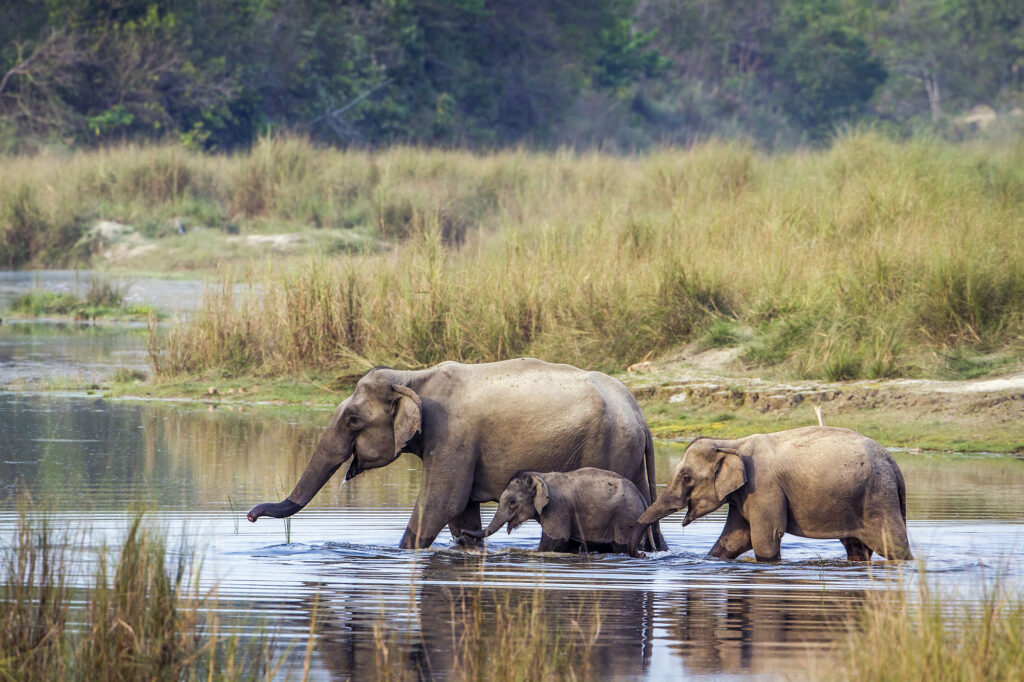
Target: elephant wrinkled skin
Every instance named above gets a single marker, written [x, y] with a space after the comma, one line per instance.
[589, 508]
[815, 482]
[474, 427]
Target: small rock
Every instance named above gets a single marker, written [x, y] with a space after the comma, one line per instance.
[644, 367]
[231, 391]
[212, 390]
[678, 398]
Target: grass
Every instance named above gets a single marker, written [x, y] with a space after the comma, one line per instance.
[869, 259]
[866, 260]
[140, 618]
[936, 637]
[500, 634]
[103, 299]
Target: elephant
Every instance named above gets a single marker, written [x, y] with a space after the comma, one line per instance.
[474, 426]
[815, 482]
[588, 507]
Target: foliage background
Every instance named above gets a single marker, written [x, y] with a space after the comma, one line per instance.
[621, 74]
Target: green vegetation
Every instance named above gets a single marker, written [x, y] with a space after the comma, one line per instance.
[140, 619]
[937, 637]
[871, 259]
[104, 299]
[616, 73]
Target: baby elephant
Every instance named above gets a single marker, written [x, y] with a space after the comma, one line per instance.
[815, 482]
[589, 508]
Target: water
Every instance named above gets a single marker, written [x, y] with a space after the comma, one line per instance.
[93, 462]
[42, 352]
[195, 470]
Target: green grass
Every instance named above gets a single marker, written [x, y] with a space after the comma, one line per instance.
[103, 299]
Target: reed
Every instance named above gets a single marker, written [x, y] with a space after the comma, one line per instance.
[497, 634]
[871, 258]
[140, 618]
[934, 636]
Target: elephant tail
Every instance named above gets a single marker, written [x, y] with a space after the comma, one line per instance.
[901, 490]
[652, 481]
[654, 536]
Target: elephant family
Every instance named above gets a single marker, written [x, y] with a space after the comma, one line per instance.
[589, 508]
[474, 427]
[815, 482]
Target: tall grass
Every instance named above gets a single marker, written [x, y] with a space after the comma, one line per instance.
[932, 637]
[870, 259]
[497, 635]
[139, 619]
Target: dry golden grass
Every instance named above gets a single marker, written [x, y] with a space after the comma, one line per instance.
[872, 258]
[140, 620]
[937, 637]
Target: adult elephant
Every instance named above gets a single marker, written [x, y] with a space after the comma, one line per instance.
[475, 427]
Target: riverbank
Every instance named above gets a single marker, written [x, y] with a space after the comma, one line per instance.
[681, 403]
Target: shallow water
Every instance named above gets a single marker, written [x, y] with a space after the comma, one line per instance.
[92, 462]
[46, 351]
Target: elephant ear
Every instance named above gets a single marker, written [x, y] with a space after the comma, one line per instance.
[408, 416]
[729, 473]
[541, 495]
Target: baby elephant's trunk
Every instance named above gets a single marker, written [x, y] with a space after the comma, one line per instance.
[500, 518]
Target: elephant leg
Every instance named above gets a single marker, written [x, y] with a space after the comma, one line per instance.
[767, 526]
[855, 549]
[550, 544]
[467, 519]
[890, 541]
[440, 500]
[735, 537]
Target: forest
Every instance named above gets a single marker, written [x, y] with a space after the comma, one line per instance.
[621, 75]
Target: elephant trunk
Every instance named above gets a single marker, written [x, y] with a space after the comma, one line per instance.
[333, 450]
[657, 511]
[501, 517]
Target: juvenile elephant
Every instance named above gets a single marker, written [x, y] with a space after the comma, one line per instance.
[589, 507]
[474, 427]
[815, 482]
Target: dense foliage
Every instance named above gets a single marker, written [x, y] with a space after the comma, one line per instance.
[480, 73]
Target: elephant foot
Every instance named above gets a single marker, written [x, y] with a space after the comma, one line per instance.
[467, 541]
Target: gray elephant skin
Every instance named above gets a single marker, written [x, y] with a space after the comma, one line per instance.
[474, 427]
[588, 508]
[815, 482]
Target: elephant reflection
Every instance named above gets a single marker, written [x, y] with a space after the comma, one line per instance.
[358, 639]
[743, 630]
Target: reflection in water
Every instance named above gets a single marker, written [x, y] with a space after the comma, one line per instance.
[443, 616]
[37, 352]
[91, 460]
[743, 630]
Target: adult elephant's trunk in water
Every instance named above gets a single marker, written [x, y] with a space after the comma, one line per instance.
[334, 449]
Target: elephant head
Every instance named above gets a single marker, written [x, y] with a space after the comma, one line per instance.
[706, 475]
[523, 499]
[372, 427]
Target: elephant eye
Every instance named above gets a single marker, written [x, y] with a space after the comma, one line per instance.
[686, 478]
[353, 421]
